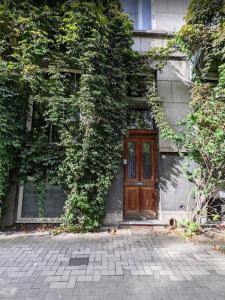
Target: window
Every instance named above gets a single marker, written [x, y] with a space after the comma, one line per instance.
[141, 119]
[139, 12]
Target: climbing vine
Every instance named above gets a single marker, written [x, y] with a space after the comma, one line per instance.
[79, 116]
[202, 137]
[102, 53]
[70, 65]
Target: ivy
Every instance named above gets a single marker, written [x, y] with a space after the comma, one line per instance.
[75, 59]
[84, 112]
[102, 109]
[202, 137]
[12, 107]
[167, 132]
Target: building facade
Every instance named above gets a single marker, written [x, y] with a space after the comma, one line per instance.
[162, 193]
[150, 185]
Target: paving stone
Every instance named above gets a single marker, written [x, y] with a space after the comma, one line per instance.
[72, 281]
[84, 278]
[130, 265]
[177, 278]
[65, 276]
[53, 278]
[58, 285]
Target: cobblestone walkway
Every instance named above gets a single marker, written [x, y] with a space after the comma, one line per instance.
[101, 266]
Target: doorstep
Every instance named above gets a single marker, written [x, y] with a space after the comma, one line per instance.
[152, 222]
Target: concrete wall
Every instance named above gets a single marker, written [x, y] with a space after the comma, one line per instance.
[175, 96]
[174, 188]
[174, 92]
[168, 15]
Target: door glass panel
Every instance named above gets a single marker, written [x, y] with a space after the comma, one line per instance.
[131, 160]
[146, 160]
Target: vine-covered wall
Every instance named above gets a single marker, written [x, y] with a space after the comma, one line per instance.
[202, 137]
[73, 62]
[78, 123]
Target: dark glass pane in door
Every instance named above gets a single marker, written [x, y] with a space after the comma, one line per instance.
[146, 160]
[131, 160]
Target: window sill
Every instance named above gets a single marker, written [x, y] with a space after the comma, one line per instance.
[150, 33]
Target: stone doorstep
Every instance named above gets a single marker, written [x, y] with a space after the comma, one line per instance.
[156, 224]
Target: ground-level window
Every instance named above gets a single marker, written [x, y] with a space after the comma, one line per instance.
[139, 12]
[28, 207]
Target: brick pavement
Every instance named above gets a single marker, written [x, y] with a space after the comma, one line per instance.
[128, 265]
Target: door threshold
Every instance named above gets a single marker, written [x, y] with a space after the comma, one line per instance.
[149, 222]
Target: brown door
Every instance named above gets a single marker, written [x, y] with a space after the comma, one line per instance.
[140, 182]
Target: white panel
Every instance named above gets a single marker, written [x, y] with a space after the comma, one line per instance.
[178, 6]
[159, 42]
[180, 92]
[137, 43]
[161, 5]
[146, 44]
[179, 216]
[183, 67]
[175, 112]
[165, 90]
[169, 21]
[167, 74]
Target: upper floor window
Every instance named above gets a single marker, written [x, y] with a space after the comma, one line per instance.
[140, 13]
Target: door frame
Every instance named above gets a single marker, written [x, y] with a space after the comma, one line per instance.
[143, 133]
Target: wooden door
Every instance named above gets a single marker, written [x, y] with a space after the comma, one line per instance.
[140, 180]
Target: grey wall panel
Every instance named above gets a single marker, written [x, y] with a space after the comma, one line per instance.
[114, 201]
[175, 112]
[115, 196]
[174, 186]
[9, 214]
[53, 204]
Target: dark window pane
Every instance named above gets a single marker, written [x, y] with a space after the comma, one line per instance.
[131, 160]
[54, 201]
[139, 12]
[130, 7]
[141, 119]
[146, 15]
[146, 160]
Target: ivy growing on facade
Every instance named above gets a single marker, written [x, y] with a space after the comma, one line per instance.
[71, 63]
[72, 58]
[202, 138]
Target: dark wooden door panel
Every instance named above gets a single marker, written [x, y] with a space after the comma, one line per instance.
[131, 199]
[147, 201]
[140, 176]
